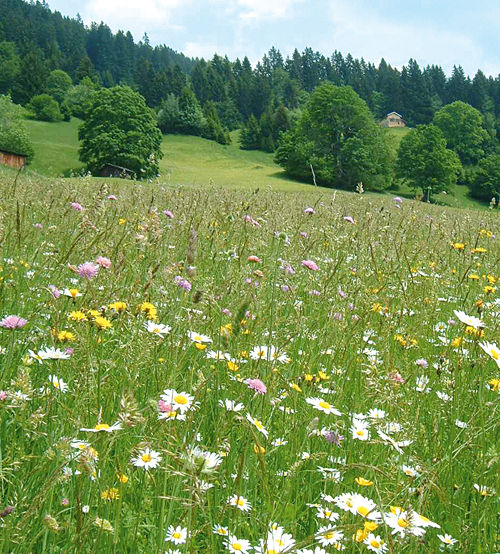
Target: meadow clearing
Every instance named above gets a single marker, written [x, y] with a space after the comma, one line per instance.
[194, 161]
[212, 370]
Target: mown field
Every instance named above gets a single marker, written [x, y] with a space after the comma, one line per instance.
[206, 370]
[193, 161]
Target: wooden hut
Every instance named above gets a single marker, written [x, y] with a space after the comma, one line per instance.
[111, 170]
[12, 159]
[393, 119]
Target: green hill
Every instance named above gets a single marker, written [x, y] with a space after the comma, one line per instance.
[195, 161]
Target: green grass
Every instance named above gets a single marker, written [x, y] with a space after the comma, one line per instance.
[396, 134]
[196, 161]
[193, 161]
[357, 333]
[56, 147]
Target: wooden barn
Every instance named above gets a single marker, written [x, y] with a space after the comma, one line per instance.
[393, 119]
[111, 170]
[12, 159]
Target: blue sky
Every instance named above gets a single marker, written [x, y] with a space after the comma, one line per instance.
[445, 32]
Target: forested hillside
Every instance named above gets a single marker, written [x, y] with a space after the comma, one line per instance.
[34, 41]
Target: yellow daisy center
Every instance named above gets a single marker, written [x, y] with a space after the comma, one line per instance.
[236, 546]
[180, 399]
[101, 426]
[258, 424]
[363, 510]
[176, 535]
[375, 543]
[146, 457]
[324, 405]
[240, 502]
[403, 522]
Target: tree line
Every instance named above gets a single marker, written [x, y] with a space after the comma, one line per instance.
[34, 41]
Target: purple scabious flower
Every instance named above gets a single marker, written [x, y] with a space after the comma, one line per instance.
[309, 211]
[169, 214]
[183, 283]
[56, 293]
[87, 270]
[310, 265]
[257, 385]
[13, 322]
[334, 438]
[76, 206]
[103, 262]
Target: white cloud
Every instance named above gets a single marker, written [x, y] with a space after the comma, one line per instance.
[202, 49]
[365, 33]
[252, 10]
[139, 17]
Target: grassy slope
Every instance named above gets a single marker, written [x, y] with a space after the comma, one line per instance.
[56, 146]
[195, 161]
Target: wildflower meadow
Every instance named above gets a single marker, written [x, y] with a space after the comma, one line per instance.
[203, 370]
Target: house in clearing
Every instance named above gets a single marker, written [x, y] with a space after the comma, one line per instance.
[12, 159]
[393, 119]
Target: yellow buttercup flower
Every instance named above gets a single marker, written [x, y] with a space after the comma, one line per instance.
[362, 482]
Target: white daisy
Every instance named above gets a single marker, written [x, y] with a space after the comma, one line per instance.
[157, 328]
[148, 459]
[238, 546]
[177, 535]
[240, 503]
[103, 428]
[258, 424]
[323, 406]
[469, 320]
[492, 350]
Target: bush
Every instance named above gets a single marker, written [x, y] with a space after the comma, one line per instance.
[485, 180]
[44, 108]
[13, 134]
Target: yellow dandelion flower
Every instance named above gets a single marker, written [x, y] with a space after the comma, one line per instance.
[118, 306]
[457, 342]
[110, 494]
[494, 385]
[103, 323]
[65, 336]
[77, 316]
[149, 310]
